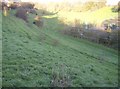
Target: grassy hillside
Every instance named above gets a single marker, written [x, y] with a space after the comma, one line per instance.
[31, 54]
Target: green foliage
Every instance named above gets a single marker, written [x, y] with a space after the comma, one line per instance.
[116, 8]
[93, 5]
[65, 6]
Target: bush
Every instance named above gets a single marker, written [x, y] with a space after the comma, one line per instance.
[27, 5]
[76, 23]
[33, 11]
[114, 39]
[13, 5]
[3, 5]
[74, 32]
[38, 21]
[60, 77]
[21, 13]
[92, 35]
[109, 39]
[90, 5]
[116, 8]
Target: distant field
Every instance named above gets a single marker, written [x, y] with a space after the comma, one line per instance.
[95, 17]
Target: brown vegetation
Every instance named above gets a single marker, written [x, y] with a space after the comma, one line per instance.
[38, 21]
[27, 5]
[60, 78]
[98, 36]
[21, 13]
[0, 5]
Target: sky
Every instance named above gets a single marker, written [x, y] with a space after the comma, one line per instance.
[112, 2]
[109, 2]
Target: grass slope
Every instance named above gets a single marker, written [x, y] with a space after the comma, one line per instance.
[30, 54]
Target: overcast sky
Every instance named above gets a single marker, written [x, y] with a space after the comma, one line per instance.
[110, 2]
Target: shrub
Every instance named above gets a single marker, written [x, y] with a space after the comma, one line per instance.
[33, 11]
[38, 21]
[109, 39]
[27, 5]
[13, 5]
[37, 18]
[74, 31]
[114, 39]
[21, 13]
[3, 5]
[5, 11]
[116, 8]
[60, 77]
[92, 35]
[66, 31]
[76, 23]
[90, 5]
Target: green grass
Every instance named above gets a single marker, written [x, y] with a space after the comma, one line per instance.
[29, 56]
[96, 17]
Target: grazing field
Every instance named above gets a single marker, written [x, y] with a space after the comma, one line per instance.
[31, 55]
[94, 17]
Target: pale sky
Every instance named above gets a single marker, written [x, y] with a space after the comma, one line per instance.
[43, 1]
[110, 2]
